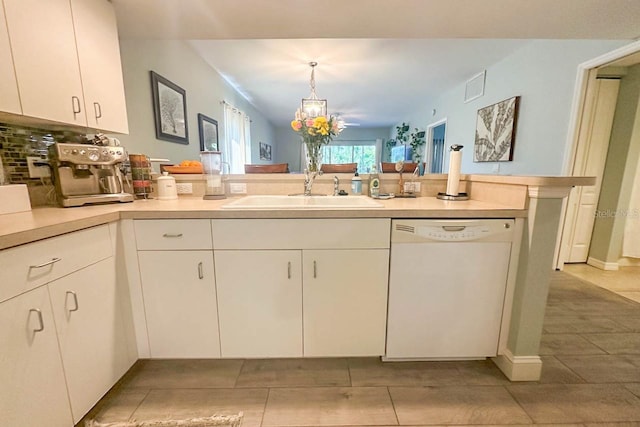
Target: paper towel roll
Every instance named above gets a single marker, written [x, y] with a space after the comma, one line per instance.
[455, 159]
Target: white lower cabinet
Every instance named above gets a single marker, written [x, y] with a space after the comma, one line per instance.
[345, 302]
[179, 292]
[313, 288]
[91, 333]
[259, 302]
[32, 391]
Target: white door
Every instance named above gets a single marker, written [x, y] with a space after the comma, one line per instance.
[593, 143]
[180, 304]
[33, 392]
[91, 333]
[345, 302]
[100, 66]
[260, 302]
[9, 101]
[46, 59]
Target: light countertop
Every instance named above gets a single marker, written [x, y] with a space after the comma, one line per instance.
[40, 223]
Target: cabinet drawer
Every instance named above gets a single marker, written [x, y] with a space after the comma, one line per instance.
[301, 233]
[25, 267]
[173, 234]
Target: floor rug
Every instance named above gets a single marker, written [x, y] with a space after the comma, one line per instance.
[214, 420]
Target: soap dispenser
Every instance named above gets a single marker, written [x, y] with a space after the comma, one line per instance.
[356, 184]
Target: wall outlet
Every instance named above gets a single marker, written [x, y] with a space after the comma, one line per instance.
[411, 187]
[184, 188]
[37, 171]
[238, 188]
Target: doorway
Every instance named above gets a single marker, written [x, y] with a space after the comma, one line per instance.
[436, 134]
[585, 228]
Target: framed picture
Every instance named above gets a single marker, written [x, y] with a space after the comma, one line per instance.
[208, 128]
[496, 131]
[169, 109]
[265, 151]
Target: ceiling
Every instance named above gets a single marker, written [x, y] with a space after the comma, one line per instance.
[377, 59]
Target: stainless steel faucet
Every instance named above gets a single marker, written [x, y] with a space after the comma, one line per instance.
[336, 185]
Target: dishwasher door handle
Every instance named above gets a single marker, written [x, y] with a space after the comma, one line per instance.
[453, 227]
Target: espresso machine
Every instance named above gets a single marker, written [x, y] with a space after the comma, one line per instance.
[87, 174]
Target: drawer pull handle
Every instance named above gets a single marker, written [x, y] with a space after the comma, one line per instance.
[39, 313]
[44, 264]
[169, 235]
[315, 270]
[200, 273]
[289, 270]
[75, 301]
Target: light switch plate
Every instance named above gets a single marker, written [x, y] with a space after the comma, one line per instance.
[238, 188]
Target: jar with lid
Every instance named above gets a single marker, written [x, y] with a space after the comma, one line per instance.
[167, 189]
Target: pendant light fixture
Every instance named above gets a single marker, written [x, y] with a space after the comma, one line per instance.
[313, 107]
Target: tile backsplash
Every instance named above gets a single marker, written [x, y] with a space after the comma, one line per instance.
[19, 142]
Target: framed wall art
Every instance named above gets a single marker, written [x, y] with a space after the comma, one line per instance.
[208, 128]
[169, 109]
[265, 151]
[496, 131]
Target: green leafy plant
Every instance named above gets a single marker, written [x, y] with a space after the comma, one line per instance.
[417, 141]
[401, 133]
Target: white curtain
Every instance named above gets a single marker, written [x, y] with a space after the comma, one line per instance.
[631, 237]
[236, 148]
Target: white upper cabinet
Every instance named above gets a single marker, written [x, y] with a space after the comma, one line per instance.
[9, 99]
[100, 66]
[67, 62]
[46, 60]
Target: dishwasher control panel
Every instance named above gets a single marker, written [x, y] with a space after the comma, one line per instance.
[453, 233]
[414, 231]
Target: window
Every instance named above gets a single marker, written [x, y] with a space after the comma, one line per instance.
[237, 139]
[364, 153]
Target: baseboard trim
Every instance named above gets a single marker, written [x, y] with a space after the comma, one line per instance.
[602, 265]
[629, 262]
[519, 368]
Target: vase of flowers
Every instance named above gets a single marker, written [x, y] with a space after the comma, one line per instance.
[315, 133]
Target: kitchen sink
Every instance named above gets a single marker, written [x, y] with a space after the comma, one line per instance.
[303, 202]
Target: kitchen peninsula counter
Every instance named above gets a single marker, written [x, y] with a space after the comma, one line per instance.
[40, 223]
[492, 196]
[536, 204]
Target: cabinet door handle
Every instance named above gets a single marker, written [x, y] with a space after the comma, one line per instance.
[39, 313]
[289, 270]
[200, 273]
[75, 102]
[97, 109]
[169, 235]
[75, 301]
[315, 270]
[44, 264]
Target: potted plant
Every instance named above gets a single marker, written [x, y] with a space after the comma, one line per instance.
[417, 141]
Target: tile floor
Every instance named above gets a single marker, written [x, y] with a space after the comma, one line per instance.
[625, 282]
[591, 376]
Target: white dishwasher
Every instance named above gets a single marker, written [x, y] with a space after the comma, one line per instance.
[447, 288]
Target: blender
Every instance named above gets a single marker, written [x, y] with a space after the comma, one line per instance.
[212, 165]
